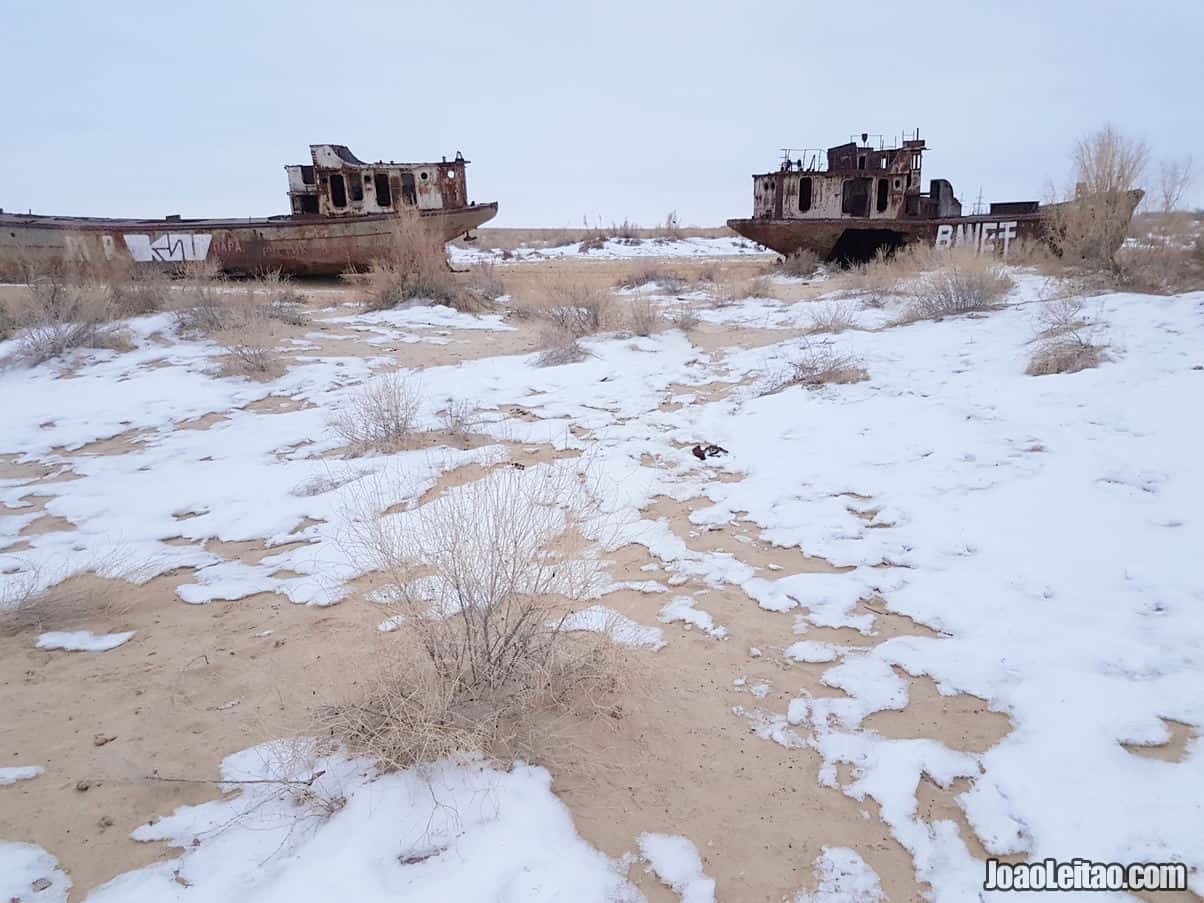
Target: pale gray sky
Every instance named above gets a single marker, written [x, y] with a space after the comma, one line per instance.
[607, 110]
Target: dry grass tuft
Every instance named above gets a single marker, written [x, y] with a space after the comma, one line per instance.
[413, 267]
[575, 308]
[1066, 339]
[484, 281]
[965, 284]
[483, 579]
[559, 348]
[460, 417]
[28, 606]
[879, 279]
[685, 318]
[60, 312]
[647, 274]
[831, 317]
[818, 364]
[799, 264]
[644, 317]
[738, 289]
[380, 416]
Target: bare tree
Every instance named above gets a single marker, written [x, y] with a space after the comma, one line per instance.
[1174, 178]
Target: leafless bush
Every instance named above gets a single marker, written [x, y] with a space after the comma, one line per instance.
[1164, 263]
[560, 348]
[61, 312]
[483, 578]
[740, 289]
[575, 308]
[380, 415]
[1068, 352]
[460, 417]
[801, 263]
[485, 282]
[967, 283]
[201, 306]
[817, 364]
[878, 279]
[284, 303]
[1088, 227]
[831, 317]
[644, 317]
[1067, 339]
[647, 274]
[412, 267]
[250, 340]
[1174, 178]
[684, 318]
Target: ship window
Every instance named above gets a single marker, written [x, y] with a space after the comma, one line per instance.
[451, 175]
[883, 162]
[367, 179]
[855, 197]
[408, 194]
[307, 175]
[898, 184]
[915, 161]
[422, 176]
[861, 162]
[881, 202]
[309, 203]
[357, 189]
[804, 195]
[383, 196]
[338, 190]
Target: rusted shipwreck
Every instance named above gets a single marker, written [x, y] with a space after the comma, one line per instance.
[847, 202]
[344, 214]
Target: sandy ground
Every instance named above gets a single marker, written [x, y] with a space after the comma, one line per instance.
[135, 732]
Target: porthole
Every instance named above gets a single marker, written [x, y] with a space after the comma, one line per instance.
[423, 176]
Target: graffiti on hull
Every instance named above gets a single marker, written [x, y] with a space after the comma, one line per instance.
[979, 236]
[168, 247]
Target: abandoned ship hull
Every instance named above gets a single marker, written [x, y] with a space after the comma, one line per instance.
[857, 240]
[298, 245]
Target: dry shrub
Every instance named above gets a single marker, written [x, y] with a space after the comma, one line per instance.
[381, 415]
[460, 417]
[878, 279]
[1166, 261]
[801, 263]
[740, 289]
[646, 274]
[28, 605]
[484, 282]
[413, 267]
[684, 318]
[831, 317]
[573, 307]
[818, 364]
[1088, 227]
[965, 284]
[644, 317]
[559, 348]
[250, 339]
[482, 580]
[1066, 339]
[60, 312]
[1068, 352]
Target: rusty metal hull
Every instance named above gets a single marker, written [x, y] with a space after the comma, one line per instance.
[294, 245]
[826, 237]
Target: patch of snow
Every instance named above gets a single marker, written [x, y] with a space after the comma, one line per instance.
[12, 774]
[843, 877]
[83, 640]
[675, 861]
[682, 608]
[620, 628]
[23, 868]
[447, 832]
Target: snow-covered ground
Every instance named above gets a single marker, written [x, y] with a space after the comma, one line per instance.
[618, 249]
[1047, 530]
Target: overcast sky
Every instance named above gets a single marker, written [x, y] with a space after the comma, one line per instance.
[605, 110]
